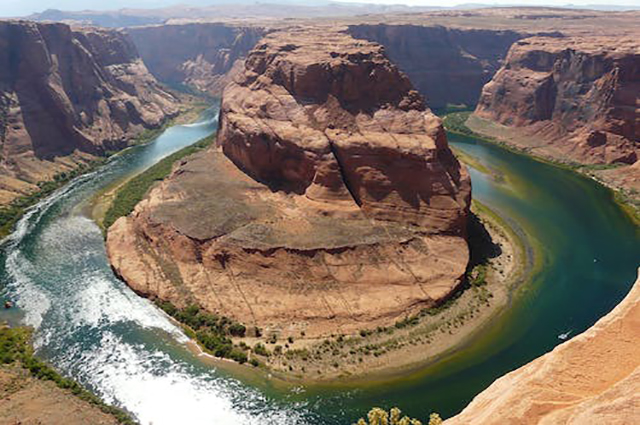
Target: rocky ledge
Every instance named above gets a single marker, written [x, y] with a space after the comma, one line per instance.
[66, 93]
[330, 203]
[592, 379]
[569, 98]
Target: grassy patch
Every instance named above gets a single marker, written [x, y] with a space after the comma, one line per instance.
[212, 332]
[131, 193]
[15, 348]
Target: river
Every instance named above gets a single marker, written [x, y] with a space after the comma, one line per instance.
[90, 326]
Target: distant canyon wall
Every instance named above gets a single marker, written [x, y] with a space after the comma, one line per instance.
[67, 92]
[447, 65]
[204, 56]
[571, 98]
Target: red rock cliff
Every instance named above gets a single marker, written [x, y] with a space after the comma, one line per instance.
[201, 55]
[447, 65]
[331, 117]
[577, 97]
[343, 208]
[65, 90]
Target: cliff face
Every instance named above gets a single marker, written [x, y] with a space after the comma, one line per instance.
[331, 203]
[578, 97]
[343, 125]
[202, 55]
[592, 379]
[65, 92]
[447, 65]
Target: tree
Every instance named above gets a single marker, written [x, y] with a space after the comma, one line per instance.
[378, 416]
[435, 419]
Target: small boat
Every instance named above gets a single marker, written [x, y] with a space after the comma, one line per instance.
[564, 336]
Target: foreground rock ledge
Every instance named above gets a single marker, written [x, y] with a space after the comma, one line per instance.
[331, 203]
[592, 379]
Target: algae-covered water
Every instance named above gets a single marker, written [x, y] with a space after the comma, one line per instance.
[92, 327]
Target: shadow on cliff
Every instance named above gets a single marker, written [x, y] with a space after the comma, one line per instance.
[482, 248]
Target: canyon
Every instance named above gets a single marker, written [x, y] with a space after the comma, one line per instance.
[331, 201]
[68, 95]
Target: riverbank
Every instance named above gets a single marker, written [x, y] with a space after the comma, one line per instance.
[33, 392]
[120, 198]
[11, 212]
[623, 180]
[498, 262]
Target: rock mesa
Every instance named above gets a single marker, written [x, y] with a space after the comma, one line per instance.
[330, 203]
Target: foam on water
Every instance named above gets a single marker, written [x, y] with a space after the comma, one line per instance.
[162, 391]
[93, 327]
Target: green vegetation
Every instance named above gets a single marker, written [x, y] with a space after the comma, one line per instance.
[211, 331]
[455, 123]
[10, 214]
[378, 416]
[135, 189]
[16, 349]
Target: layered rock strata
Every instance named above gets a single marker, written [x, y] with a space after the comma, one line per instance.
[592, 379]
[204, 56]
[447, 65]
[66, 93]
[574, 99]
[331, 203]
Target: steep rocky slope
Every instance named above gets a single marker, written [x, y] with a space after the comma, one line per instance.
[202, 55]
[570, 98]
[592, 379]
[65, 93]
[331, 203]
[447, 65]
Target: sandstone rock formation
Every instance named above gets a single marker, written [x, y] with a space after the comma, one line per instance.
[204, 55]
[592, 379]
[447, 65]
[332, 202]
[64, 92]
[570, 98]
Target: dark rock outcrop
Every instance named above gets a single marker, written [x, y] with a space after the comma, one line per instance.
[577, 96]
[64, 91]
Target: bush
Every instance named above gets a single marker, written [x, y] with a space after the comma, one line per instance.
[261, 350]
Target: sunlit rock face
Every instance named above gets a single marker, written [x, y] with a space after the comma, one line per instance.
[331, 200]
[578, 96]
[65, 90]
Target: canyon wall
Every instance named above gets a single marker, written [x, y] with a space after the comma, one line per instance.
[331, 203]
[447, 65]
[65, 93]
[201, 55]
[592, 379]
[569, 98]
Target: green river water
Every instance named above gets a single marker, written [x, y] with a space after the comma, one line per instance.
[90, 326]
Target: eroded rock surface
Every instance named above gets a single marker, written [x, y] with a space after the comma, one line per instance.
[570, 98]
[592, 379]
[331, 203]
[67, 92]
[449, 66]
[205, 56]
